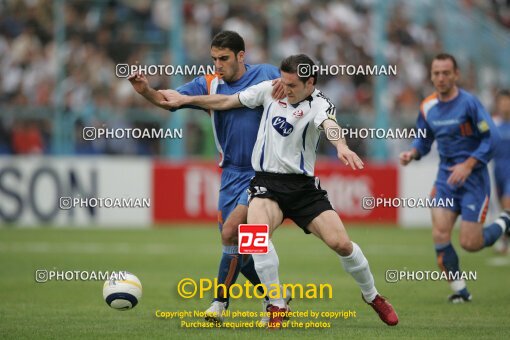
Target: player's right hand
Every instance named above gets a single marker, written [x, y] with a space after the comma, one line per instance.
[173, 99]
[406, 157]
[139, 82]
[349, 157]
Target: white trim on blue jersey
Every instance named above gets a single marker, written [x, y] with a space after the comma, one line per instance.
[214, 87]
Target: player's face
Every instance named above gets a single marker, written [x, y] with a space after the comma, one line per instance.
[227, 64]
[444, 76]
[503, 107]
[294, 88]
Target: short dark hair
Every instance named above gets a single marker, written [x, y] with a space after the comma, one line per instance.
[446, 56]
[228, 39]
[503, 93]
[295, 64]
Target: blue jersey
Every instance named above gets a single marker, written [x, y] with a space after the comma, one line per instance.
[461, 127]
[235, 130]
[502, 161]
[502, 153]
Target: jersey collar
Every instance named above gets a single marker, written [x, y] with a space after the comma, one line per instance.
[309, 99]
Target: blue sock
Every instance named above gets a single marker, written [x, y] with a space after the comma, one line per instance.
[448, 261]
[464, 292]
[447, 258]
[492, 232]
[248, 270]
[230, 266]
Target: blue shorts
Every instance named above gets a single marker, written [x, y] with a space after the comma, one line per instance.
[233, 191]
[471, 200]
[502, 177]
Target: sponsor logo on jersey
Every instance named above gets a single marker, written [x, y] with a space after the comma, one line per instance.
[445, 122]
[298, 113]
[483, 126]
[282, 104]
[281, 125]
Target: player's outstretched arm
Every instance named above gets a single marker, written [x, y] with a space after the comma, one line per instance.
[141, 85]
[174, 99]
[407, 157]
[345, 154]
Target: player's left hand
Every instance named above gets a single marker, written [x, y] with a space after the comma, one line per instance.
[278, 90]
[460, 172]
[349, 157]
[173, 99]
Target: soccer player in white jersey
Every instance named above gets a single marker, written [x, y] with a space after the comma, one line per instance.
[284, 185]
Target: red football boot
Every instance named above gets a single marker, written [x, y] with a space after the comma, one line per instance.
[384, 309]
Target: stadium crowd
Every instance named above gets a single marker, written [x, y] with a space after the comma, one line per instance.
[99, 35]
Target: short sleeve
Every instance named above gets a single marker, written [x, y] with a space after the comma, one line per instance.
[326, 110]
[255, 95]
[196, 87]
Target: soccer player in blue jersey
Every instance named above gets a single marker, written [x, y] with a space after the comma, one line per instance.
[466, 139]
[235, 132]
[502, 155]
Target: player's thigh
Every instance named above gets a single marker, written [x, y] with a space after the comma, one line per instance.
[230, 226]
[505, 194]
[502, 179]
[471, 238]
[265, 211]
[475, 195]
[443, 220]
[329, 228]
[505, 203]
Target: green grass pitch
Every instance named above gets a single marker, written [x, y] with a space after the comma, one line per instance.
[161, 257]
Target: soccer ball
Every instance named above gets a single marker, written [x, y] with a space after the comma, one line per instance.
[122, 291]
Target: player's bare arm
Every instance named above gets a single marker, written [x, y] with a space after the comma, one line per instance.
[345, 154]
[174, 99]
[407, 157]
[141, 85]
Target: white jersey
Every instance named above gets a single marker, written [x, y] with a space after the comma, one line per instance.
[288, 133]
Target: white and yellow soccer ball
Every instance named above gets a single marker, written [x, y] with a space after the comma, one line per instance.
[122, 291]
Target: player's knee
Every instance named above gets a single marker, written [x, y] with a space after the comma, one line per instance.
[341, 247]
[440, 236]
[470, 244]
[229, 235]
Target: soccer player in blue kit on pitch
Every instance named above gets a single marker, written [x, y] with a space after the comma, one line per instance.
[235, 133]
[502, 156]
[466, 139]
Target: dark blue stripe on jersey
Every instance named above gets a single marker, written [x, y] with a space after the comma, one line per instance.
[304, 135]
[264, 144]
[302, 164]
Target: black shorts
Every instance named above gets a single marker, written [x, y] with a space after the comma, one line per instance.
[299, 197]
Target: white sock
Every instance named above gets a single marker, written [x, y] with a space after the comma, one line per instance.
[458, 285]
[266, 266]
[356, 264]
